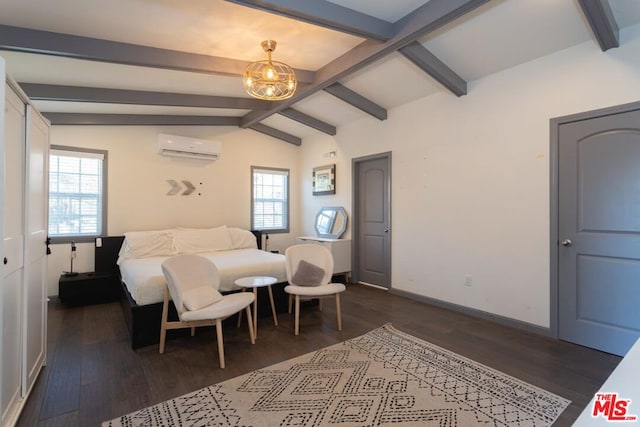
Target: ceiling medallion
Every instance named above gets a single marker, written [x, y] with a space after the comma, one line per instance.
[270, 80]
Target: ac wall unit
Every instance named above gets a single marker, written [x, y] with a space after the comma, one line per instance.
[191, 148]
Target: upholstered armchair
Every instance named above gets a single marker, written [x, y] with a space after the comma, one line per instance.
[309, 270]
[192, 284]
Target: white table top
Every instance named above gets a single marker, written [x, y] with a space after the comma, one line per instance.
[255, 281]
[322, 239]
[625, 381]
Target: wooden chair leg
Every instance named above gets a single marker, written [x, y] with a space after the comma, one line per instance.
[338, 312]
[320, 304]
[297, 316]
[220, 342]
[163, 324]
[193, 331]
[252, 332]
[290, 302]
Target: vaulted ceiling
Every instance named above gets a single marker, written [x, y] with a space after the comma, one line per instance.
[176, 62]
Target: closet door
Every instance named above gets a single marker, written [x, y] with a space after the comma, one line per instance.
[35, 262]
[13, 248]
[2, 109]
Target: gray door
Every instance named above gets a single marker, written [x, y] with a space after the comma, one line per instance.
[372, 213]
[599, 232]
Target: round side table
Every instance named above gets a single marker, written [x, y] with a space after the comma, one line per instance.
[256, 282]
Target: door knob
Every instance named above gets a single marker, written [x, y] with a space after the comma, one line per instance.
[566, 242]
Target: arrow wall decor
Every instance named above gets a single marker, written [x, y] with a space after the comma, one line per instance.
[176, 187]
[190, 188]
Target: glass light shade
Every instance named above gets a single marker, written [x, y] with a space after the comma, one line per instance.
[270, 80]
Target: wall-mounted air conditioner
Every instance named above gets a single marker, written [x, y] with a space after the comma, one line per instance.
[192, 148]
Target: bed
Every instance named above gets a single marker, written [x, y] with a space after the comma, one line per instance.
[137, 257]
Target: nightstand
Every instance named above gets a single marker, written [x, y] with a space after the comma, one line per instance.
[88, 288]
[339, 248]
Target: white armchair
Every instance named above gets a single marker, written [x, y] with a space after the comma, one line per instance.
[309, 269]
[192, 283]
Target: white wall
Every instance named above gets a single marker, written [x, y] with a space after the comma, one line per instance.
[470, 176]
[137, 198]
[316, 153]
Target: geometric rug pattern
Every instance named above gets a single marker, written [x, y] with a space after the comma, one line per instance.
[383, 378]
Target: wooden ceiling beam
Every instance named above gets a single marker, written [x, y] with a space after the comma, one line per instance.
[602, 22]
[267, 130]
[45, 92]
[86, 119]
[357, 100]
[307, 120]
[325, 14]
[90, 119]
[437, 69]
[70, 46]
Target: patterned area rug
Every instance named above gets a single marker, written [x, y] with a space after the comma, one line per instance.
[385, 377]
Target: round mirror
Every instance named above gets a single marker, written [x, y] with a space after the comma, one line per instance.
[331, 222]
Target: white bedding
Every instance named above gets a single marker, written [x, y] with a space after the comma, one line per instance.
[145, 282]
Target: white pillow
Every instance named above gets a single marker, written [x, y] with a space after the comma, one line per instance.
[144, 244]
[200, 297]
[202, 240]
[242, 239]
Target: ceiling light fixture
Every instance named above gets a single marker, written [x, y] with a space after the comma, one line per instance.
[270, 80]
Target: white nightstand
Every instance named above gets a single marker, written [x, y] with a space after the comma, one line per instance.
[340, 249]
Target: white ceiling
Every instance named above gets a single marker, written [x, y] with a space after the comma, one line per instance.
[496, 36]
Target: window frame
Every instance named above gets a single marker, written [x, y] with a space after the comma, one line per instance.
[105, 162]
[287, 173]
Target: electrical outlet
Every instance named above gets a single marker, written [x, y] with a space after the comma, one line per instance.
[468, 280]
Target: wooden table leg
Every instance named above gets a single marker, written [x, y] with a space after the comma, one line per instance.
[273, 306]
[240, 313]
[255, 312]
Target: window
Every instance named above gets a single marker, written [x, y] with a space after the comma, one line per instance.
[77, 194]
[270, 199]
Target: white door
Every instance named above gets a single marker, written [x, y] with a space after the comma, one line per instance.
[12, 267]
[35, 252]
[2, 108]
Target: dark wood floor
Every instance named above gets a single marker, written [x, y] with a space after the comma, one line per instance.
[92, 375]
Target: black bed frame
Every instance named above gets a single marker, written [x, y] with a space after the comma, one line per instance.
[143, 321]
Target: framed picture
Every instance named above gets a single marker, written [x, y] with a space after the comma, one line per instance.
[324, 180]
